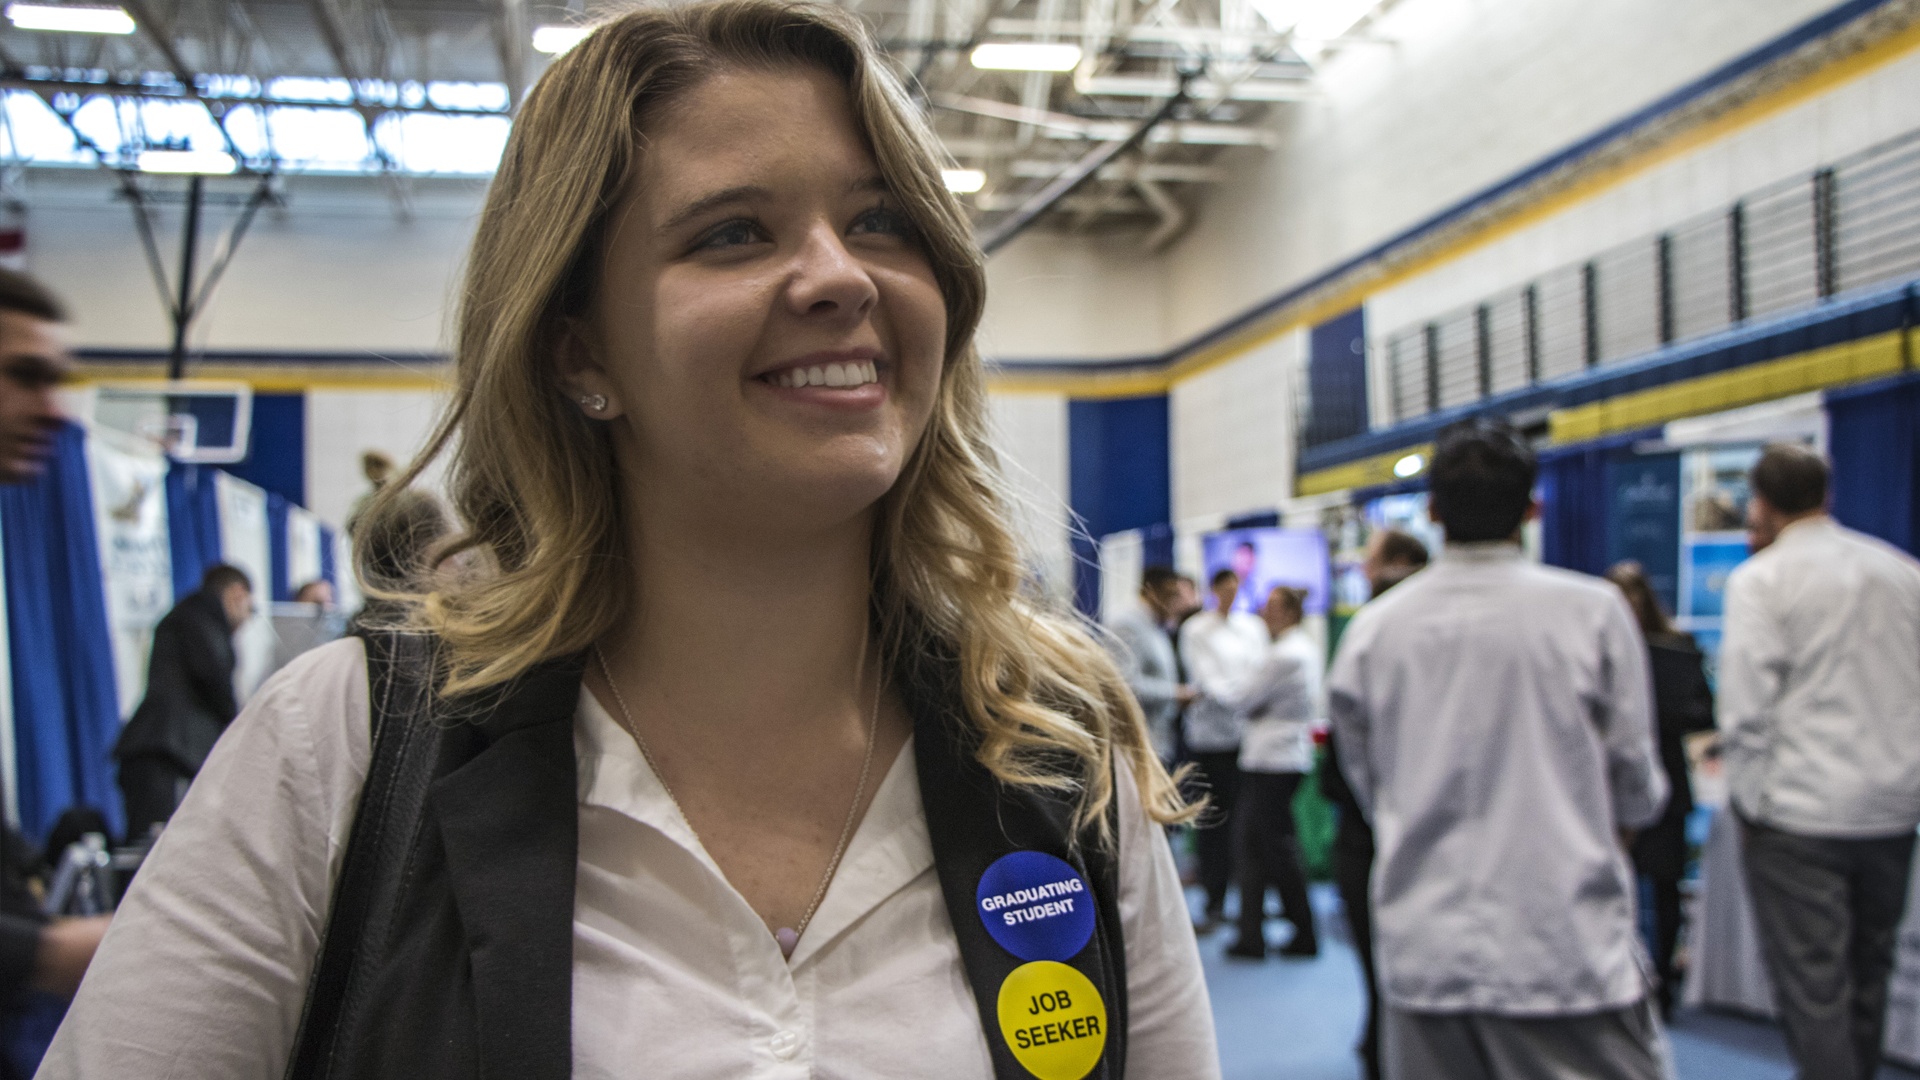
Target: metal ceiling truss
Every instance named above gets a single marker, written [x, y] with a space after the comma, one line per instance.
[1104, 142]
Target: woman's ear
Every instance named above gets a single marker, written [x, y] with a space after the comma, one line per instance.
[580, 376]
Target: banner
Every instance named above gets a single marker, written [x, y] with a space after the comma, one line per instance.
[244, 543]
[136, 563]
[303, 548]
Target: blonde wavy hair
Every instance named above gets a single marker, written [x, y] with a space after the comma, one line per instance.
[536, 486]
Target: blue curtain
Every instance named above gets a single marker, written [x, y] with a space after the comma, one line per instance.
[282, 585]
[1573, 515]
[193, 525]
[327, 568]
[1876, 458]
[66, 711]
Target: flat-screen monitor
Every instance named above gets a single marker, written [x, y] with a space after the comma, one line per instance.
[1268, 557]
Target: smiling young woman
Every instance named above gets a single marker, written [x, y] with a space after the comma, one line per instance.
[727, 739]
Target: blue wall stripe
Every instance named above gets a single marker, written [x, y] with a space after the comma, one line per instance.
[277, 447]
[1876, 311]
[1119, 477]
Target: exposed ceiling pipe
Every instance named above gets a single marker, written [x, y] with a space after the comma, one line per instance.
[1173, 217]
[1083, 170]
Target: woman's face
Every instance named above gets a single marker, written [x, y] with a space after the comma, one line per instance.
[767, 329]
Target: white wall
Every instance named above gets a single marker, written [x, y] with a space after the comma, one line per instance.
[337, 268]
[343, 424]
[1468, 93]
[1031, 432]
[1053, 296]
[1231, 430]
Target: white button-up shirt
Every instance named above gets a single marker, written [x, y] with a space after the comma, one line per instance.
[1820, 684]
[205, 969]
[1496, 720]
[1220, 652]
[1280, 700]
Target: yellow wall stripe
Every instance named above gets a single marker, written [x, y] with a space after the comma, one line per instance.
[1313, 310]
[1367, 472]
[1817, 369]
[278, 378]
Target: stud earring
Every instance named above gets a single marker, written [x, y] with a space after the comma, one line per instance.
[595, 402]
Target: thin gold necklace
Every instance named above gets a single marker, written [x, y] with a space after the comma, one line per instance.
[787, 937]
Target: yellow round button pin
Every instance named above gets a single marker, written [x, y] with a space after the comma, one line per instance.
[1053, 1020]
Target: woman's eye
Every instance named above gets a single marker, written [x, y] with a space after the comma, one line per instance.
[729, 234]
[883, 219]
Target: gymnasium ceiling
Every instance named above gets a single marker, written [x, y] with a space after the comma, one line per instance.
[404, 88]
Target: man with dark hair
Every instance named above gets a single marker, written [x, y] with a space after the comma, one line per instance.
[1220, 647]
[1392, 557]
[190, 698]
[1144, 651]
[34, 361]
[1819, 712]
[1495, 722]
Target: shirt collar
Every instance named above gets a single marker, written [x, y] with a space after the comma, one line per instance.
[889, 848]
[1482, 551]
[1806, 526]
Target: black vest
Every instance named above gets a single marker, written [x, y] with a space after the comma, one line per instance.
[449, 949]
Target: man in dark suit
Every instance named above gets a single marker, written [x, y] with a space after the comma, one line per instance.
[189, 702]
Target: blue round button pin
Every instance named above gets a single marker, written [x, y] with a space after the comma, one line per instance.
[1036, 906]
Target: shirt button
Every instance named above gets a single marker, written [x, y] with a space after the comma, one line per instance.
[784, 1044]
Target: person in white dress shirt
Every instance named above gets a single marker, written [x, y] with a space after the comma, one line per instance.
[1819, 712]
[1280, 701]
[1220, 647]
[1495, 721]
[718, 441]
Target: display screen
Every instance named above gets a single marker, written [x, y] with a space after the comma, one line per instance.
[1268, 557]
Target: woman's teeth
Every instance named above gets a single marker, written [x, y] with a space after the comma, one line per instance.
[834, 375]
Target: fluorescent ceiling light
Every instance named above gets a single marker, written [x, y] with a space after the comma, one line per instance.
[558, 39]
[964, 181]
[205, 162]
[73, 20]
[1332, 18]
[1026, 56]
[1409, 466]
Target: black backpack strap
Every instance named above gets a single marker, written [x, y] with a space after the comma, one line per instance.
[405, 749]
[978, 826]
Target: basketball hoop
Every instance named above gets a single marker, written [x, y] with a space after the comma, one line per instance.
[207, 421]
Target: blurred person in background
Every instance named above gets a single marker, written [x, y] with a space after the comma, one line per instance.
[318, 592]
[1495, 720]
[36, 953]
[1220, 648]
[1145, 652]
[1279, 701]
[189, 702]
[377, 466]
[1392, 557]
[396, 552]
[1819, 715]
[1683, 706]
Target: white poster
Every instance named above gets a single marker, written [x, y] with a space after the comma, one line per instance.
[136, 565]
[244, 543]
[1121, 556]
[303, 547]
[346, 582]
